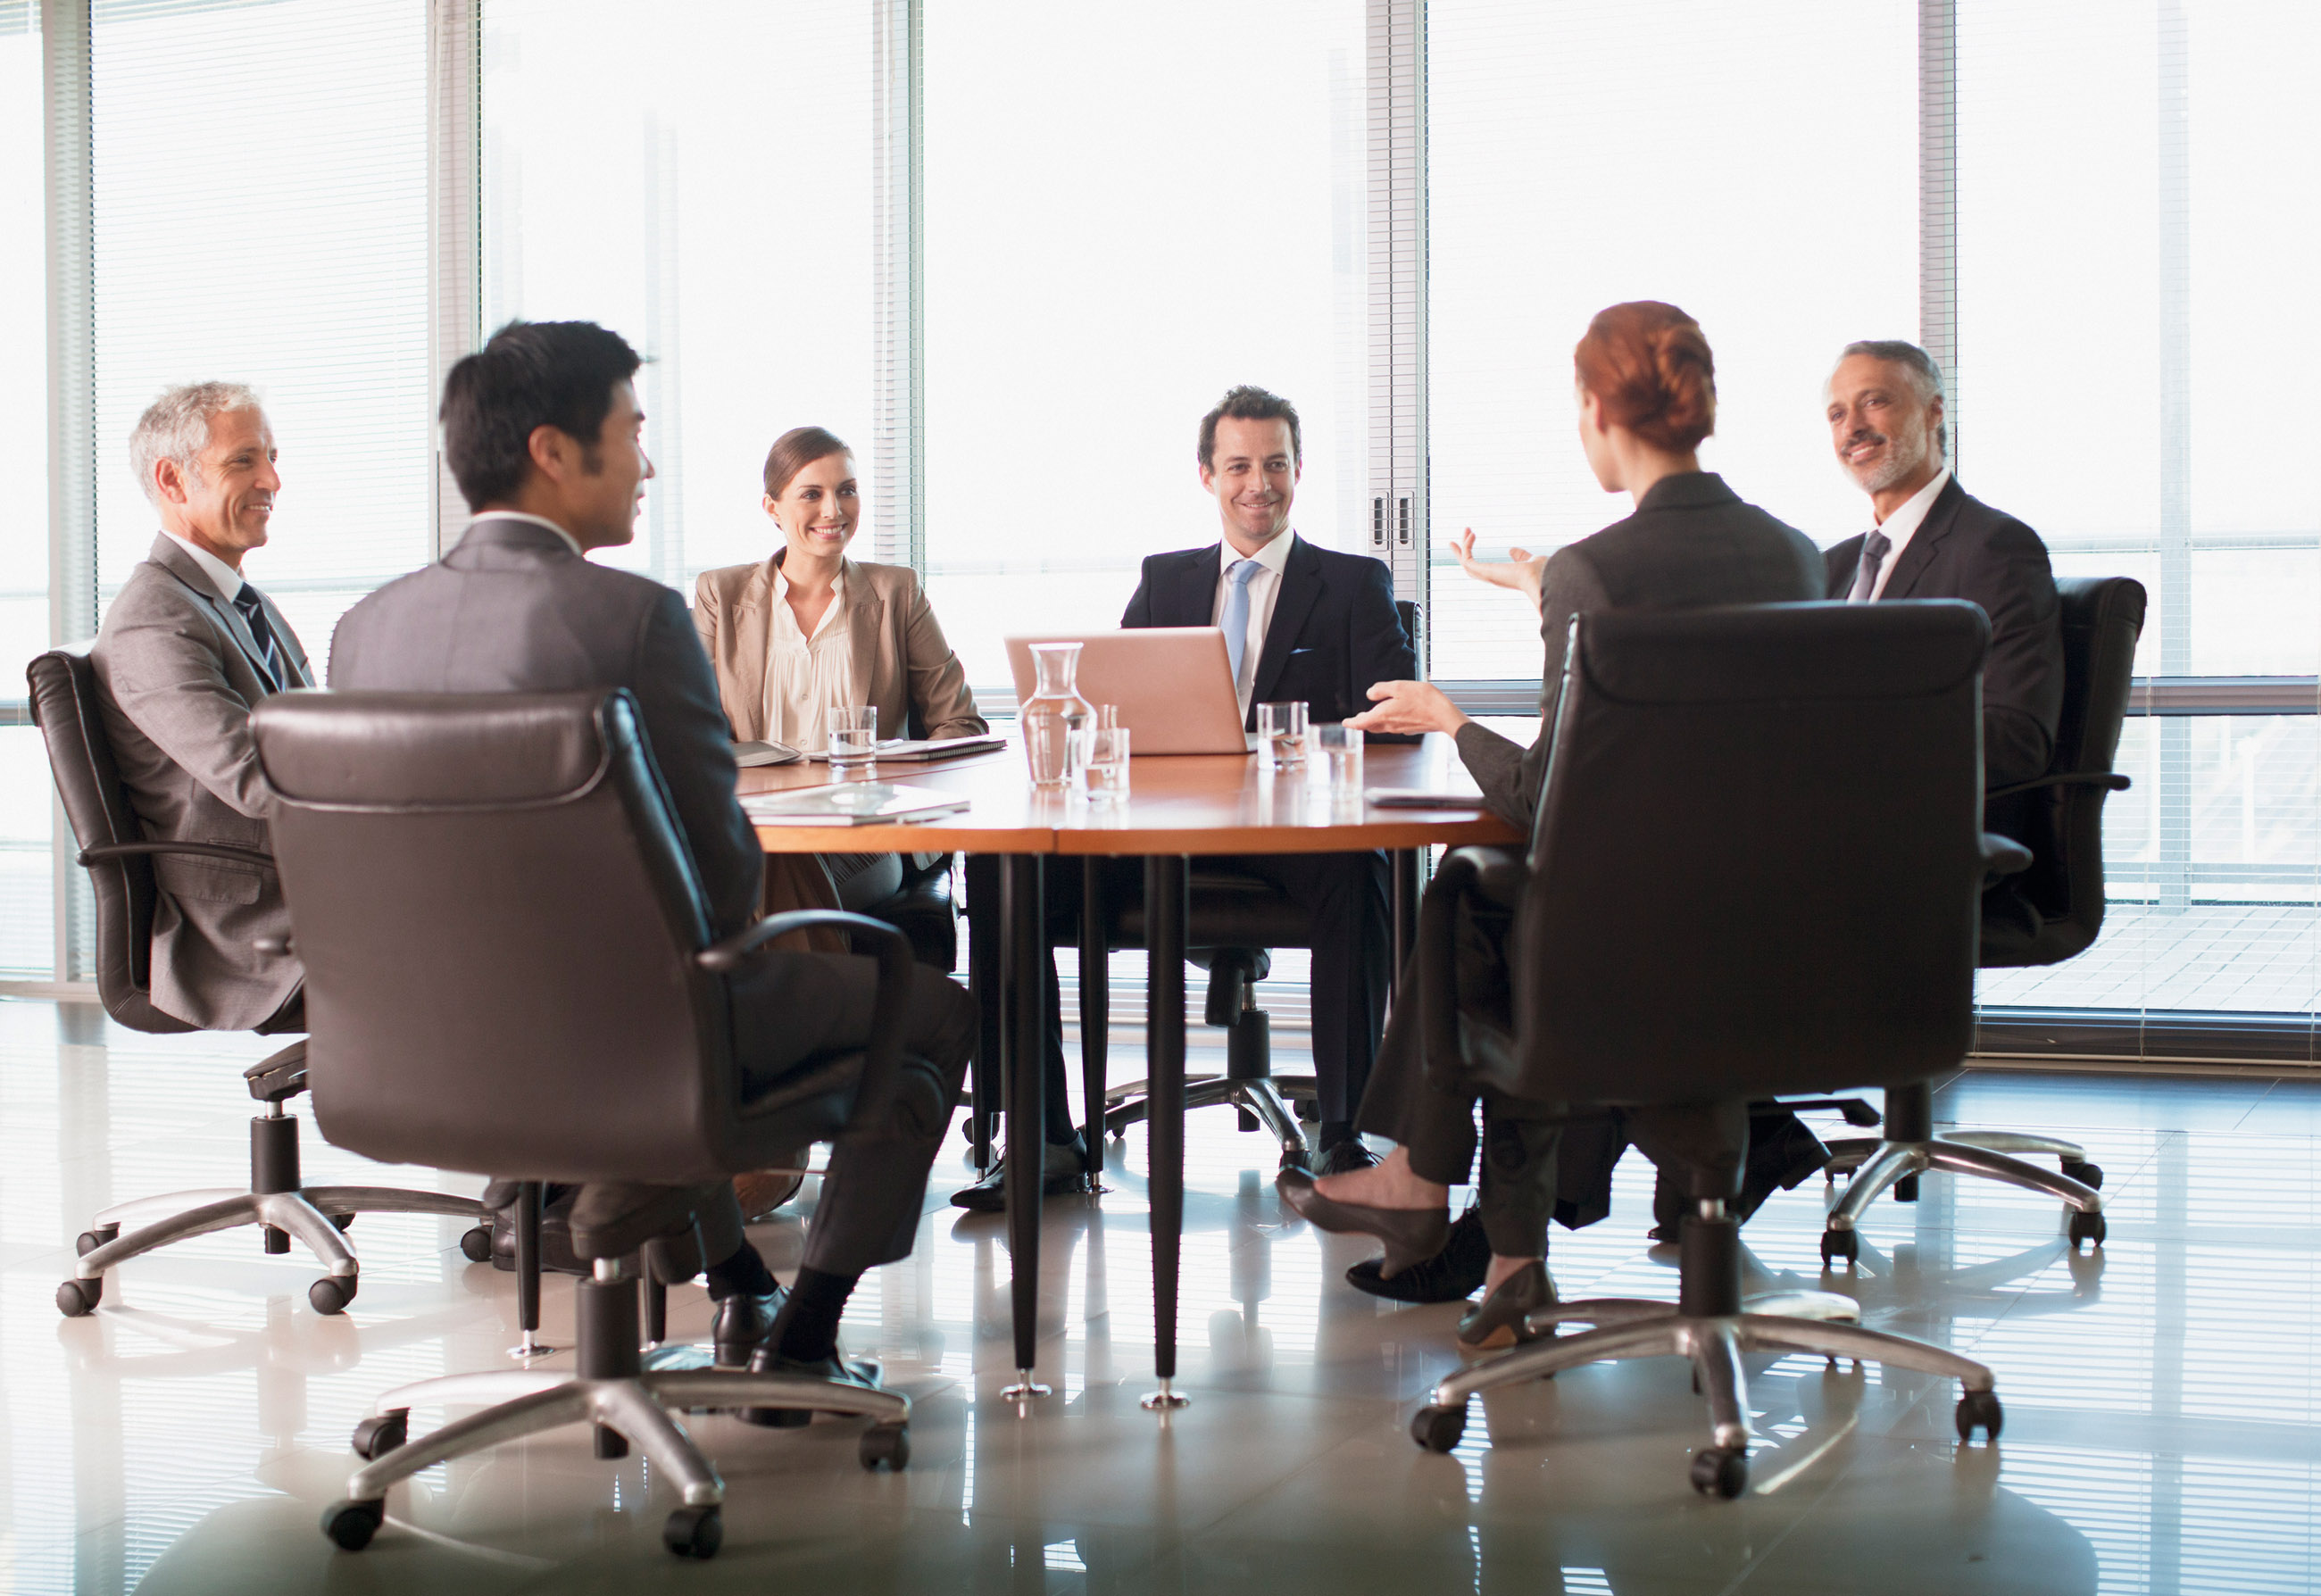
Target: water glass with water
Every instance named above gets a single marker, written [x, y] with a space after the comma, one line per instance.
[1281, 728]
[1107, 765]
[853, 738]
[1340, 748]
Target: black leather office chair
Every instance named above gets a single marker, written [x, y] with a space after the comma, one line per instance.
[1755, 873]
[66, 704]
[509, 969]
[2052, 912]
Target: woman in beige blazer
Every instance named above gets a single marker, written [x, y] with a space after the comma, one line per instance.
[791, 635]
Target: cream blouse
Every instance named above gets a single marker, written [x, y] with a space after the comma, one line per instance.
[805, 676]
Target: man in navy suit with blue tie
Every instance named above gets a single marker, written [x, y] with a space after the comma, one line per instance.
[1301, 622]
[1307, 624]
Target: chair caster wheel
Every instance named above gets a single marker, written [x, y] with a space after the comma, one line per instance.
[351, 1523]
[1840, 1246]
[343, 1221]
[1980, 1409]
[1716, 1472]
[76, 1297]
[1906, 1189]
[1438, 1430]
[888, 1444]
[331, 1294]
[2086, 1227]
[694, 1532]
[476, 1245]
[89, 1241]
[2084, 1172]
[381, 1434]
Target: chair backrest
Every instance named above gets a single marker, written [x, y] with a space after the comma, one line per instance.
[498, 918]
[67, 705]
[1757, 862]
[2062, 826]
[1408, 608]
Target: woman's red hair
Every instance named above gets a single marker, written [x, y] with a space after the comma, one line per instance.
[1649, 366]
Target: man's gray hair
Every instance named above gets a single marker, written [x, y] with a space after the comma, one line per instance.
[177, 428]
[1925, 375]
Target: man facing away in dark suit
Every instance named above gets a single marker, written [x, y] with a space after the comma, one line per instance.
[187, 650]
[1935, 540]
[543, 430]
[1301, 622]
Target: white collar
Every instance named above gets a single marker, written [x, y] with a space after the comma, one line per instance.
[837, 597]
[1273, 557]
[222, 576]
[569, 541]
[1911, 512]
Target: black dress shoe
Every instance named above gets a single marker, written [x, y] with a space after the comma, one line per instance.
[862, 1372]
[1412, 1235]
[1063, 1169]
[1343, 1158]
[1453, 1275]
[741, 1325]
[1500, 1319]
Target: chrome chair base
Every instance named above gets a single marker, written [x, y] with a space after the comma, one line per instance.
[1813, 1322]
[1879, 1164]
[1259, 1098]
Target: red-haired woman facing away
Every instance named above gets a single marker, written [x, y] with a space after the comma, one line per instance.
[1647, 397]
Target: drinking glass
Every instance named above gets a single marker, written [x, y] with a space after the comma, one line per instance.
[853, 738]
[1341, 747]
[1281, 727]
[1107, 766]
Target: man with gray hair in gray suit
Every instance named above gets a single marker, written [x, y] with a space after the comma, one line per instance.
[188, 649]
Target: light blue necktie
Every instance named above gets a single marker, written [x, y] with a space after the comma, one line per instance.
[1235, 620]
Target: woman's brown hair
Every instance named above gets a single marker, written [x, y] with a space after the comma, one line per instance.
[795, 450]
[1649, 366]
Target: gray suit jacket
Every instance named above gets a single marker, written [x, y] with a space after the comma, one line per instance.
[1691, 544]
[180, 673]
[512, 609]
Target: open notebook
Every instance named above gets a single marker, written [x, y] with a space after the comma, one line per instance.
[850, 803]
[749, 755]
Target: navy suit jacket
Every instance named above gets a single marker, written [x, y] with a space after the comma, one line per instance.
[1335, 630]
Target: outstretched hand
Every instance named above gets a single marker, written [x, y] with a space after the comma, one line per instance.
[1523, 570]
[1408, 706]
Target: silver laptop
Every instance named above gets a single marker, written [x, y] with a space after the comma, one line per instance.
[1173, 685]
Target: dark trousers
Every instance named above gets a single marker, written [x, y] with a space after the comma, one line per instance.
[791, 1007]
[1343, 895]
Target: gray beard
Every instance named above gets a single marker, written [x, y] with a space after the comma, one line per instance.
[1895, 467]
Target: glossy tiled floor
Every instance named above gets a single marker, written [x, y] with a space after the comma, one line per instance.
[2161, 1398]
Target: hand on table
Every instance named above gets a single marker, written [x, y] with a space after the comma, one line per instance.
[1407, 707]
[1522, 571]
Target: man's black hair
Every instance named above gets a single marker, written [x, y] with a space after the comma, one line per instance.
[1249, 404]
[531, 374]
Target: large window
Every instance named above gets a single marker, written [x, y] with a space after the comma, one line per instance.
[1129, 210]
[26, 888]
[698, 178]
[1756, 164]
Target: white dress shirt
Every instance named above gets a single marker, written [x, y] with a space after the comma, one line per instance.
[805, 676]
[222, 576]
[1264, 590]
[1907, 517]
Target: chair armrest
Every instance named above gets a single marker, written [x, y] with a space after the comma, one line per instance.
[2109, 780]
[883, 1053]
[1496, 875]
[2003, 856]
[98, 855]
[1493, 874]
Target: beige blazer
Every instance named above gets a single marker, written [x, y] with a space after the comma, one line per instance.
[902, 664]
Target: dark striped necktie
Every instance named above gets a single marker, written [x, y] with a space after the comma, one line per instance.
[261, 631]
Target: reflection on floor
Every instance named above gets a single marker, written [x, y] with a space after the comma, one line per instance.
[2161, 1398]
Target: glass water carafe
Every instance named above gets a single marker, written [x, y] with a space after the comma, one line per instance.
[1055, 719]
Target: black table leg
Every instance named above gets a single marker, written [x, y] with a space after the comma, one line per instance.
[1096, 1014]
[1402, 866]
[530, 1197]
[1022, 908]
[1166, 911]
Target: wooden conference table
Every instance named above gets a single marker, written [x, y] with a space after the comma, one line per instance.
[1178, 807]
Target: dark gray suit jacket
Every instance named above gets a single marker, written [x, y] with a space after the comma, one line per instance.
[512, 609]
[180, 673]
[1691, 544]
[1964, 549]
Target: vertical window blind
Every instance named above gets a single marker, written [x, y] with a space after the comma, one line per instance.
[26, 889]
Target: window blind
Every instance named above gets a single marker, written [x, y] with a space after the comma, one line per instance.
[26, 912]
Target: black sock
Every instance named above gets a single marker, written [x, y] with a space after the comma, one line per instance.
[1334, 1131]
[807, 1329]
[745, 1273]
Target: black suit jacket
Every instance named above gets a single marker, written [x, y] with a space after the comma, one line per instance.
[1964, 549]
[1692, 543]
[512, 609]
[1334, 630]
